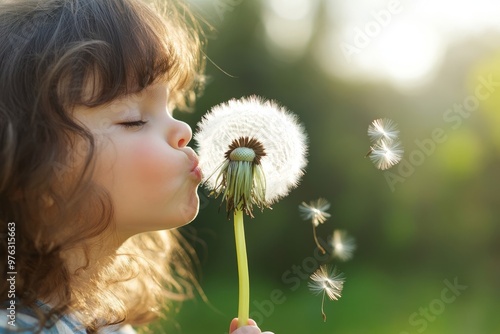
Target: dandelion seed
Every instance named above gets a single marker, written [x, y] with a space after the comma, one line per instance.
[385, 154]
[343, 245]
[328, 280]
[316, 212]
[329, 283]
[383, 128]
[387, 149]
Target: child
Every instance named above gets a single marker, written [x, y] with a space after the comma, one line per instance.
[95, 173]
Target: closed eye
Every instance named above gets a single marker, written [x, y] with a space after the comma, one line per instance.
[134, 124]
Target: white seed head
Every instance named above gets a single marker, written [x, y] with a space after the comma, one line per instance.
[385, 153]
[283, 138]
[383, 128]
[315, 211]
[326, 280]
[343, 245]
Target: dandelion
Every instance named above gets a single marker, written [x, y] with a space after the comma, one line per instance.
[383, 128]
[258, 150]
[329, 283]
[275, 128]
[343, 245]
[385, 154]
[316, 212]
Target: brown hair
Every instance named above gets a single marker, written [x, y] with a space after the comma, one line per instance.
[50, 50]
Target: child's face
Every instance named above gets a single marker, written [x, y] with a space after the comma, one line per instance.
[150, 174]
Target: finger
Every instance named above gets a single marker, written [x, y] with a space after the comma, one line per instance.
[251, 322]
[247, 330]
[234, 324]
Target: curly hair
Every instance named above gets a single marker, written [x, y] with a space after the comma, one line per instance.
[50, 50]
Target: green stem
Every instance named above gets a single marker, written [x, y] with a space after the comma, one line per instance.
[243, 279]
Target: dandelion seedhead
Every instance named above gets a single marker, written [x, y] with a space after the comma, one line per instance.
[227, 135]
[316, 212]
[343, 245]
[328, 282]
[241, 179]
[386, 150]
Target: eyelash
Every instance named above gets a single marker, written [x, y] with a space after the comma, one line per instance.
[134, 124]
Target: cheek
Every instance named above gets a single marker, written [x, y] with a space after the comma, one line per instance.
[139, 168]
[147, 163]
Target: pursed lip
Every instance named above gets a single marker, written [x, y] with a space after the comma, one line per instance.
[195, 169]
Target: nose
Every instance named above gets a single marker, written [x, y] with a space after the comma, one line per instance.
[180, 134]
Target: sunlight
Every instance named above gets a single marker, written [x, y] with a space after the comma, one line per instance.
[398, 41]
[291, 9]
[406, 52]
[289, 27]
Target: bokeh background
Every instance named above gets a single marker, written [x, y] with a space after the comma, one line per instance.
[429, 223]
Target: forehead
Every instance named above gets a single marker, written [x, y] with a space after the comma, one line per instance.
[154, 94]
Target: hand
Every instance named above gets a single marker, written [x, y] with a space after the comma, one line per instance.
[250, 329]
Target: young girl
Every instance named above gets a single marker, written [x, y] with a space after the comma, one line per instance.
[95, 173]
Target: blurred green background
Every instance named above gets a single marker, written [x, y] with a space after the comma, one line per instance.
[430, 222]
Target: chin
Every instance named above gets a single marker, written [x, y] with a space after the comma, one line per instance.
[191, 213]
[188, 210]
